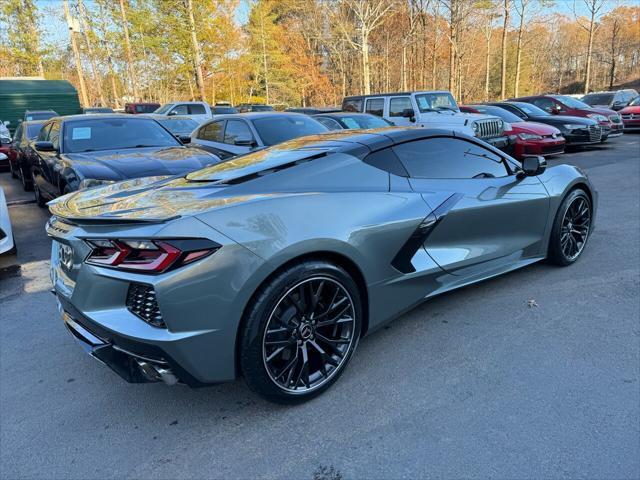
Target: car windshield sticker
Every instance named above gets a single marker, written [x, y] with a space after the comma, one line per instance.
[423, 102]
[81, 133]
[350, 122]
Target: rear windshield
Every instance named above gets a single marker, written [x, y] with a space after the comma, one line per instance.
[571, 102]
[179, 126]
[114, 134]
[40, 116]
[261, 108]
[598, 99]
[531, 109]
[277, 129]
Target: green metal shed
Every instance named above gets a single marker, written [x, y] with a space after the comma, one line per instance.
[19, 95]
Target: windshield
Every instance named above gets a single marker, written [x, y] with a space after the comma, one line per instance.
[364, 121]
[571, 102]
[163, 109]
[432, 102]
[33, 130]
[179, 126]
[40, 116]
[498, 112]
[115, 134]
[598, 99]
[277, 129]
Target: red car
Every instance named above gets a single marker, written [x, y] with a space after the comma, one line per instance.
[139, 108]
[530, 138]
[631, 115]
[608, 119]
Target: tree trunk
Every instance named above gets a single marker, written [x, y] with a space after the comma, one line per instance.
[503, 71]
[197, 54]
[264, 56]
[366, 80]
[434, 50]
[92, 58]
[114, 87]
[76, 54]
[519, 50]
[587, 73]
[404, 68]
[127, 42]
[487, 66]
[452, 50]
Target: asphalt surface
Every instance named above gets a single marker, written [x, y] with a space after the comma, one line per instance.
[535, 374]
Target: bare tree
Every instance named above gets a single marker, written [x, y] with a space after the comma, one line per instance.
[503, 71]
[130, 66]
[369, 15]
[197, 54]
[87, 33]
[521, 8]
[489, 8]
[593, 8]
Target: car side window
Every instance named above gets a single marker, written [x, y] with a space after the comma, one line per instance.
[197, 109]
[446, 157]
[544, 103]
[54, 135]
[375, 106]
[330, 123]
[212, 132]
[42, 136]
[237, 130]
[352, 105]
[180, 110]
[398, 105]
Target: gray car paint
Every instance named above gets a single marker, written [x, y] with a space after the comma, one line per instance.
[333, 205]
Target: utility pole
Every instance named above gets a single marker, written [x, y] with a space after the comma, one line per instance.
[71, 22]
[127, 42]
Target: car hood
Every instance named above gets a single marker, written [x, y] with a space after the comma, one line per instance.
[603, 111]
[534, 128]
[631, 109]
[128, 163]
[564, 119]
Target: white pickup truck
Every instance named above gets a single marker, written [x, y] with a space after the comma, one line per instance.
[199, 111]
[436, 109]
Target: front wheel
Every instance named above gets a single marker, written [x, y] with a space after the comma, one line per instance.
[300, 332]
[571, 228]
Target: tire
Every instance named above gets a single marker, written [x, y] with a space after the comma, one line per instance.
[571, 228]
[40, 200]
[27, 185]
[305, 349]
[12, 171]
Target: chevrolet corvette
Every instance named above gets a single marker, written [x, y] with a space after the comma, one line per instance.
[273, 265]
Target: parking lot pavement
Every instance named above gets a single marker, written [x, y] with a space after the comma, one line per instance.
[531, 375]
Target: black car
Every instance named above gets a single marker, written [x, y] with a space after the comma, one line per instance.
[83, 151]
[575, 130]
[351, 120]
[254, 107]
[313, 110]
[94, 110]
[31, 115]
[25, 133]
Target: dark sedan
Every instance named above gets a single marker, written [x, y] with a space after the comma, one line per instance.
[19, 150]
[351, 120]
[83, 151]
[575, 130]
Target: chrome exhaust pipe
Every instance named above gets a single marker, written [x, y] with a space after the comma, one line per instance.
[156, 373]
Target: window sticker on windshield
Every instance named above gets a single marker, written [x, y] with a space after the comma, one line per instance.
[350, 122]
[29, 118]
[81, 133]
[423, 102]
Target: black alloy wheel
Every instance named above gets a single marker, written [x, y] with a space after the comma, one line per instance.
[300, 332]
[308, 334]
[571, 228]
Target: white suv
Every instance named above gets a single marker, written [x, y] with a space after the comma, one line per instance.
[436, 109]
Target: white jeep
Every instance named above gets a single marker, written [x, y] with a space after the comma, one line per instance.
[436, 109]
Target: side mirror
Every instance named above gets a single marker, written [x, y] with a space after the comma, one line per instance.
[171, 113]
[533, 165]
[44, 146]
[244, 142]
[184, 138]
[410, 114]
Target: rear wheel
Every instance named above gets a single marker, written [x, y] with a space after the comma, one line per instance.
[40, 200]
[300, 332]
[27, 184]
[571, 228]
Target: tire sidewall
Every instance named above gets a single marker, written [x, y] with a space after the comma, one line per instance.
[556, 253]
[258, 314]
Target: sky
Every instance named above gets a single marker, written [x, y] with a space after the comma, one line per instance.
[55, 30]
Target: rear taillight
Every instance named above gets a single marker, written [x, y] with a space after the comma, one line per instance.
[148, 256]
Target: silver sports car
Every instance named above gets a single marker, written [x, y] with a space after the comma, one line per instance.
[273, 265]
